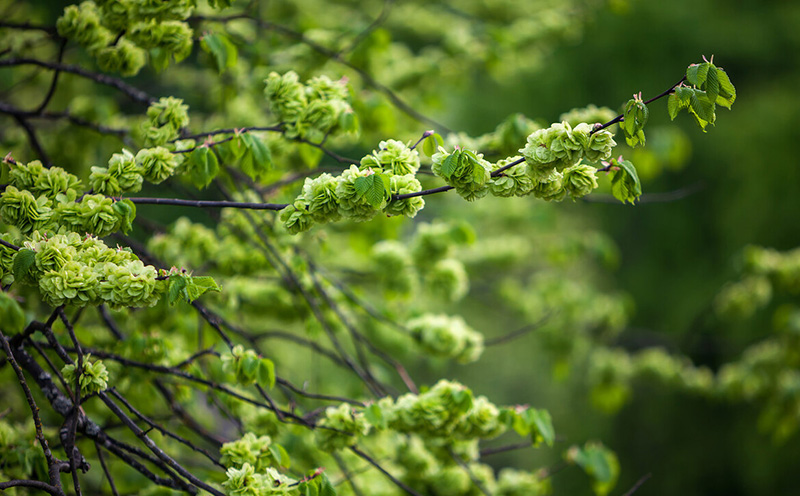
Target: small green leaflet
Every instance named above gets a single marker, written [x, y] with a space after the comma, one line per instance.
[599, 463]
[710, 86]
[189, 288]
[635, 117]
[702, 109]
[221, 48]
[23, 261]
[257, 158]
[203, 166]
[625, 184]
[542, 422]
[375, 188]
[265, 374]
[431, 144]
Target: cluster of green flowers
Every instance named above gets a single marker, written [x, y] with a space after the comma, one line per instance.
[359, 193]
[554, 155]
[448, 410]
[248, 367]
[82, 270]
[444, 336]
[48, 200]
[119, 34]
[126, 172]
[257, 451]
[165, 118]
[312, 110]
[93, 377]
[245, 481]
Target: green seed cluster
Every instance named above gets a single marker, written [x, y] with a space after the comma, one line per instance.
[82, 270]
[119, 34]
[312, 110]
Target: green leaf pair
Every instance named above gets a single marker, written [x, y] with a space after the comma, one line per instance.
[710, 87]
[184, 286]
[625, 184]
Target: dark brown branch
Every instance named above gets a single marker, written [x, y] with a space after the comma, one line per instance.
[638, 484]
[131, 92]
[621, 117]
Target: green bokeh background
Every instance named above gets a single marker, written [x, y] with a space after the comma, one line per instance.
[675, 256]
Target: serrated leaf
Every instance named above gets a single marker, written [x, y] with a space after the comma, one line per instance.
[450, 163]
[673, 106]
[696, 74]
[372, 188]
[221, 49]
[702, 108]
[727, 92]
[177, 283]
[266, 372]
[23, 261]
[625, 184]
[203, 166]
[712, 83]
[257, 158]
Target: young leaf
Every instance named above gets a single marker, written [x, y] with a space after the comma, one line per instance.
[696, 74]
[599, 463]
[712, 83]
[325, 486]
[372, 188]
[203, 166]
[450, 164]
[266, 372]
[625, 184]
[221, 48]
[257, 159]
[543, 424]
[727, 92]
[281, 455]
[23, 261]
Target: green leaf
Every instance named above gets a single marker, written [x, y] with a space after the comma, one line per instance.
[599, 463]
[712, 86]
[696, 74]
[257, 160]
[372, 188]
[543, 423]
[203, 166]
[220, 47]
[431, 143]
[727, 92]
[702, 109]
[177, 283]
[281, 455]
[625, 184]
[325, 486]
[374, 415]
[450, 164]
[248, 368]
[11, 315]
[673, 106]
[266, 372]
[23, 261]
